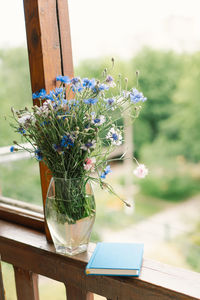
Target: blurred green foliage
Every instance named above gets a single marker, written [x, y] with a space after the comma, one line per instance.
[15, 88]
[191, 248]
[171, 187]
[170, 118]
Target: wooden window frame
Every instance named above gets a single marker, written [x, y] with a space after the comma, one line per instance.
[50, 54]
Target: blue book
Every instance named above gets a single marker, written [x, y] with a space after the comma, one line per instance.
[120, 259]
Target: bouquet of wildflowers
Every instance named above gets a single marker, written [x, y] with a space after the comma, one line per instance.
[75, 129]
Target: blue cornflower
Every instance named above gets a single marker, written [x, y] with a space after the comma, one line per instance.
[114, 135]
[40, 94]
[137, 96]
[103, 87]
[38, 155]
[89, 83]
[109, 79]
[51, 96]
[12, 149]
[21, 130]
[97, 120]
[57, 148]
[54, 94]
[90, 101]
[110, 101]
[75, 80]
[77, 88]
[67, 140]
[64, 79]
[58, 91]
[89, 145]
[106, 171]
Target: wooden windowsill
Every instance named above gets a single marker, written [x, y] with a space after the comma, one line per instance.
[28, 249]
[22, 213]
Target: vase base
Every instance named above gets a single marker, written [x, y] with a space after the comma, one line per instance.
[61, 249]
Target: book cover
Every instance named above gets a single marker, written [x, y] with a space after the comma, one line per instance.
[122, 259]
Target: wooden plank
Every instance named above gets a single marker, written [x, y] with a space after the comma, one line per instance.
[26, 284]
[75, 293]
[2, 291]
[23, 216]
[19, 204]
[157, 280]
[65, 38]
[47, 24]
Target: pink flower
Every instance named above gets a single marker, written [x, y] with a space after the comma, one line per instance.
[141, 171]
[89, 164]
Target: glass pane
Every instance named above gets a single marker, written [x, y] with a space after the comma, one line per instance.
[161, 40]
[19, 176]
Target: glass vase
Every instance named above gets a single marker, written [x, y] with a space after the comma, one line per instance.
[70, 214]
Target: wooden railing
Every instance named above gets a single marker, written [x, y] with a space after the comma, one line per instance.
[30, 254]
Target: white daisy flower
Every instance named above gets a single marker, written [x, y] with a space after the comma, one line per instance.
[114, 135]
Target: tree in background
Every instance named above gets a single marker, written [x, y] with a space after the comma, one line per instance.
[159, 74]
[183, 126]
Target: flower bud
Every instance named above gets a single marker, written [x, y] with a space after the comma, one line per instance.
[113, 61]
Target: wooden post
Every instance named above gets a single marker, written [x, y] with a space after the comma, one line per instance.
[26, 284]
[50, 53]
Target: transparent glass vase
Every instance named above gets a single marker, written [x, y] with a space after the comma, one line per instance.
[70, 214]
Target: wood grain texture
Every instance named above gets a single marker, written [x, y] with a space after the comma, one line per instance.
[26, 249]
[65, 38]
[74, 293]
[26, 284]
[2, 291]
[23, 216]
[49, 49]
